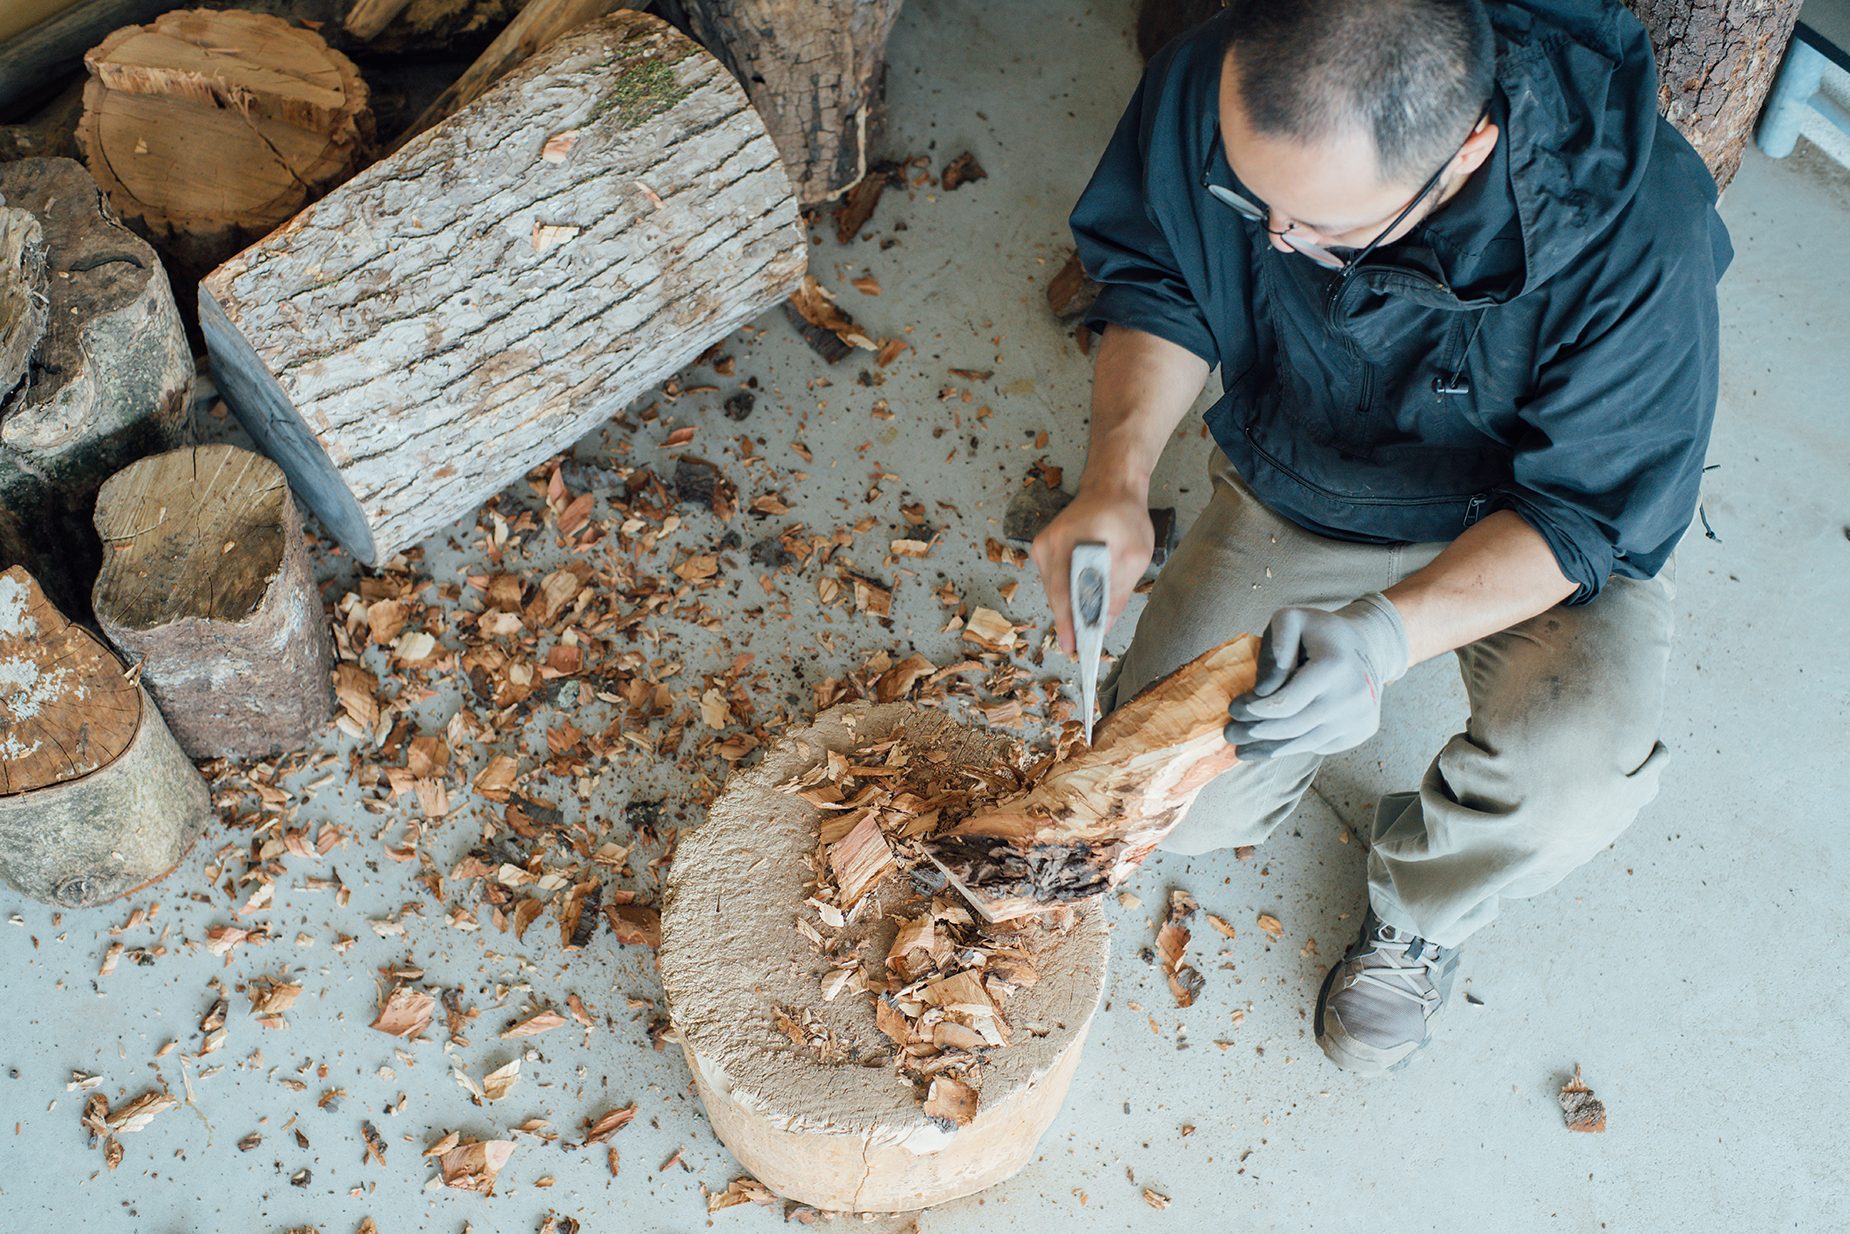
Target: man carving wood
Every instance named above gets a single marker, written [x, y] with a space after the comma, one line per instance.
[1459, 281]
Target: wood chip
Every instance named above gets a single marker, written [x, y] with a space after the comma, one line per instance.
[951, 1100]
[609, 1123]
[405, 1013]
[473, 1166]
[535, 1024]
[1272, 926]
[860, 860]
[741, 1190]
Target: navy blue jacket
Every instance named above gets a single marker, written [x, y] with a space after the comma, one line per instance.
[1570, 282]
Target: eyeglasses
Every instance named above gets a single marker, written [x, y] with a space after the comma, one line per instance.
[1255, 212]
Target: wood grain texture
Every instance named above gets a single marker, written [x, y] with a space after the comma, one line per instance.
[207, 128]
[505, 282]
[206, 580]
[1092, 819]
[108, 382]
[814, 69]
[23, 298]
[1716, 60]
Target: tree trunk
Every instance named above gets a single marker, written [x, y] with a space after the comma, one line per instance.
[1093, 818]
[505, 282]
[814, 69]
[108, 381]
[96, 799]
[1716, 60]
[206, 581]
[207, 129]
[834, 1126]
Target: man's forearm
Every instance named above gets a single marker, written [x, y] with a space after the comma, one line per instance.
[1499, 572]
[1142, 386]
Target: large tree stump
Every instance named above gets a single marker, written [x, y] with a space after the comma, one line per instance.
[96, 798]
[207, 129]
[814, 69]
[206, 580]
[828, 1122]
[107, 382]
[1716, 60]
[505, 282]
[1089, 823]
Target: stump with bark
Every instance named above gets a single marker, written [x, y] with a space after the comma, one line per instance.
[1095, 816]
[107, 381]
[96, 798]
[206, 581]
[1716, 60]
[505, 282]
[814, 69]
[207, 129]
[825, 1120]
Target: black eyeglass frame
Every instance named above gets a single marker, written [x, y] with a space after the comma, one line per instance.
[1345, 266]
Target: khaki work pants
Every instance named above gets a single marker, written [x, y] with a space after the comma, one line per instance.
[1558, 755]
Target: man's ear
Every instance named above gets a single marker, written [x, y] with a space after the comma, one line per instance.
[1476, 149]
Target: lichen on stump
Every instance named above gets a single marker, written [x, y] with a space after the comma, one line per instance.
[96, 798]
[206, 581]
[839, 1124]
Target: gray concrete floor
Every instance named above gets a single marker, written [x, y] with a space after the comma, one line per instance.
[1693, 970]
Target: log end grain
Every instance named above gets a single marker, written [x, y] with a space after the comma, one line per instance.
[96, 798]
[846, 1136]
[206, 579]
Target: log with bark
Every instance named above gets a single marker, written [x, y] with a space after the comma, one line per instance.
[206, 582]
[793, 1053]
[1089, 822]
[814, 69]
[505, 282]
[96, 798]
[207, 129]
[1716, 60]
[107, 381]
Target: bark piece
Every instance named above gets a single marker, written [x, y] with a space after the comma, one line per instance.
[404, 352]
[814, 69]
[208, 128]
[23, 298]
[1071, 293]
[537, 25]
[207, 581]
[1580, 1108]
[1716, 60]
[96, 797]
[844, 1136]
[1093, 818]
[107, 383]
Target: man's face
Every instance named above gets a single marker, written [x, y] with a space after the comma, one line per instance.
[1330, 192]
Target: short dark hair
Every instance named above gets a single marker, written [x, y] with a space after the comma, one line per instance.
[1414, 74]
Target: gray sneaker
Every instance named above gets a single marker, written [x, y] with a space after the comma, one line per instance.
[1377, 1005]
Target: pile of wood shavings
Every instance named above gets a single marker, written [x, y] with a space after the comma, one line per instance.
[938, 978]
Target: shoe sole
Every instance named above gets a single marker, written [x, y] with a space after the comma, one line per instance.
[1348, 1057]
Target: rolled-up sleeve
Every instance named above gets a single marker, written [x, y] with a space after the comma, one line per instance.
[1122, 246]
[1609, 466]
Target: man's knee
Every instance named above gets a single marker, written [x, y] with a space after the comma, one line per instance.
[1242, 806]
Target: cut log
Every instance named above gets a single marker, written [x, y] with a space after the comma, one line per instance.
[96, 798]
[797, 1076]
[206, 581]
[207, 128]
[108, 381]
[1093, 818]
[1716, 60]
[368, 17]
[536, 26]
[814, 69]
[505, 282]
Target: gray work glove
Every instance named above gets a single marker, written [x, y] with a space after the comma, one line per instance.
[1320, 680]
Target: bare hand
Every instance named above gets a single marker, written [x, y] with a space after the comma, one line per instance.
[1116, 516]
